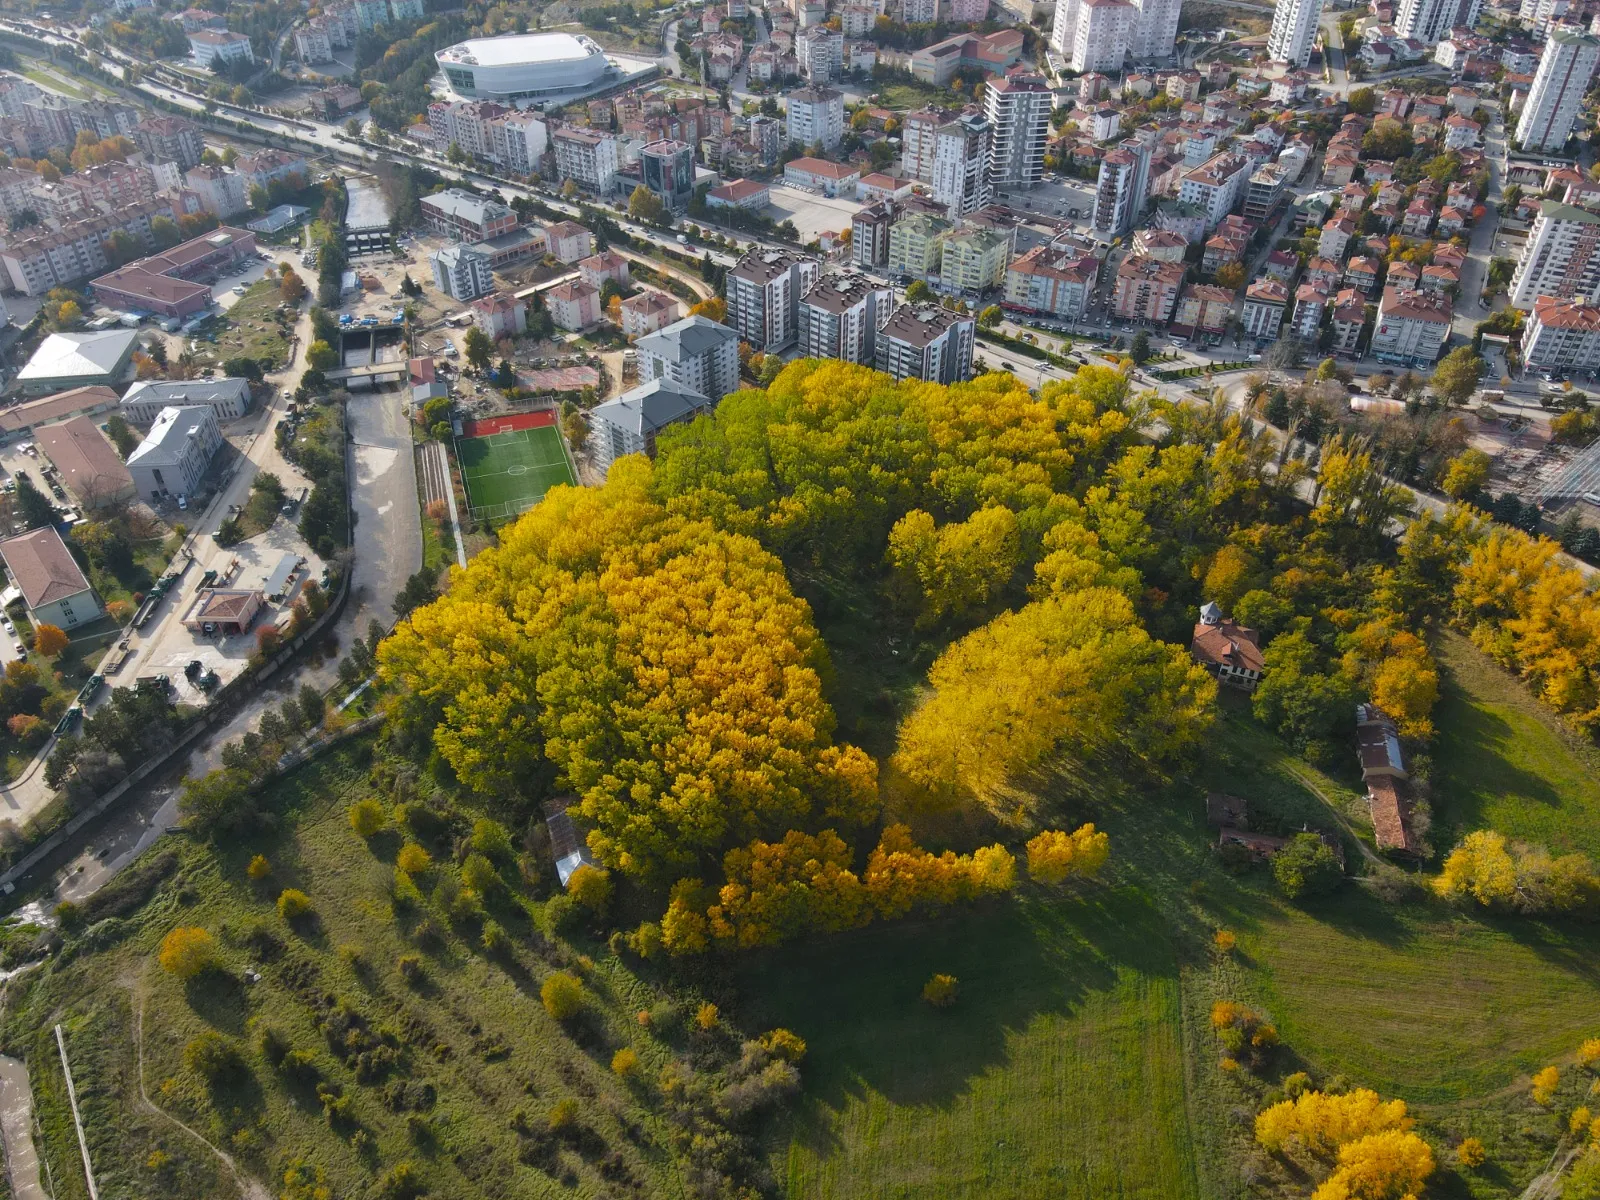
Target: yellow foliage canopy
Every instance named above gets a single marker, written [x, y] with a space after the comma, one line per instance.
[664, 666]
[1322, 1122]
[1070, 673]
[1055, 856]
[1389, 1165]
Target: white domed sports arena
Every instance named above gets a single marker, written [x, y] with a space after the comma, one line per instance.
[523, 66]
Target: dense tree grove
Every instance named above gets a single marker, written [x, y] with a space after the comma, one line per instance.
[646, 646]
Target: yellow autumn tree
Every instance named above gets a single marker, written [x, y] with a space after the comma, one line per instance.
[1480, 867]
[1055, 856]
[1389, 1165]
[1321, 1122]
[957, 568]
[1073, 673]
[780, 890]
[187, 951]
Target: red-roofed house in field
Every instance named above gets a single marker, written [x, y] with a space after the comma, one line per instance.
[1384, 770]
[1227, 649]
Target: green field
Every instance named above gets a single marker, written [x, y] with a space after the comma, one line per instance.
[508, 473]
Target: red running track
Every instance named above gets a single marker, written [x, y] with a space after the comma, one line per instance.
[508, 424]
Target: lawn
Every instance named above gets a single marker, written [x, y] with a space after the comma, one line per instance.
[1503, 762]
[1078, 1061]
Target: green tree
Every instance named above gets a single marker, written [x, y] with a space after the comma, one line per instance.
[320, 356]
[1362, 100]
[1140, 350]
[644, 205]
[991, 316]
[32, 505]
[918, 292]
[480, 350]
[1456, 377]
[456, 154]
[121, 435]
[1307, 866]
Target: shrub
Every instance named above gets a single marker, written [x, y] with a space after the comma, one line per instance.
[259, 868]
[590, 887]
[1306, 867]
[1545, 1083]
[559, 913]
[1224, 940]
[401, 1182]
[70, 915]
[413, 859]
[706, 1016]
[350, 954]
[625, 1062]
[411, 968]
[293, 904]
[366, 817]
[940, 991]
[780, 1043]
[478, 873]
[646, 940]
[187, 951]
[1589, 1053]
[272, 1043]
[212, 1057]
[563, 995]
[490, 837]
[563, 1116]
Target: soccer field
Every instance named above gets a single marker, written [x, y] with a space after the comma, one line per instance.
[509, 472]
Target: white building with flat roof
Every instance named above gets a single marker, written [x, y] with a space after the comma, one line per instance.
[524, 66]
[1565, 69]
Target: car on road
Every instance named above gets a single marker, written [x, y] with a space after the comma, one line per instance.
[22, 651]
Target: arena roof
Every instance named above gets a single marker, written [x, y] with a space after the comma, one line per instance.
[520, 49]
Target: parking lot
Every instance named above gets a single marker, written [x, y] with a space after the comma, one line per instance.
[812, 214]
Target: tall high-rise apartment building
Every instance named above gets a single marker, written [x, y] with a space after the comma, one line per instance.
[1432, 20]
[1101, 34]
[840, 316]
[1565, 68]
[1122, 188]
[764, 290]
[1294, 30]
[1018, 111]
[961, 165]
[1561, 258]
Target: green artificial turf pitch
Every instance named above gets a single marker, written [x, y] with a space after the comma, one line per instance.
[508, 473]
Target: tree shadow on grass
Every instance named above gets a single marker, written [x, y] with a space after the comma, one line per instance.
[218, 999]
[856, 999]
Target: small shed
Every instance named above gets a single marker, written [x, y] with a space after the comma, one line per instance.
[566, 844]
[228, 611]
[278, 581]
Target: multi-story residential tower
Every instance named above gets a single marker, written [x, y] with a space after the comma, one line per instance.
[928, 343]
[1565, 68]
[1103, 33]
[1123, 187]
[462, 272]
[764, 291]
[1562, 336]
[1431, 20]
[961, 165]
[1017, 108]
[694, 353]
[816, 117]
[1561, 258]
[916, 245]
[840, 316]
[1294, 30]
[919, 134]
[586, 157]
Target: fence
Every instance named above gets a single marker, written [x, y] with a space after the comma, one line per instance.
[503, 511]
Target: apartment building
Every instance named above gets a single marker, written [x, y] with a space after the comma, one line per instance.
[207, 46]
[465, 216]
[1561, 257]
[569, 241]
[1216, 187]
[1265, 193]
[927, 342]
[169, 139]
[1017, 108]
[1294, 31]
[312, 44]
[918, 140]
[587, 158]
[1202, 308]
[1264, 303]
[59, 257]
[1562, 336]
[1431, 20]
[631, 423]
[869, 235]
[1122, 188]
[816, 117]
[1565, 68]
[916, 246]
[695, 353]
[647, 312]
[961, 165]
[974, 260]
[763, 292]
[462, 272]
[840, 316]
[267, 167]
[177, 452]
[1412, 327]
[1055, 281]
[573, 305]
[1146, 289]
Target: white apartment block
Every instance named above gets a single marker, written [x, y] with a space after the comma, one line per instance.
[1562, 336]
[1103, 34]
[587, 157]
[312, 44]
[919, 136]
[816, 117]
[462, 273]
[820, 53]
[1155, 28]
[1432, 20]
[840, 316]
[1412, 327]
[764, 290]
[208, 45]
[927, 342]
[1017, 108]
[1561, 257]
[961, 165]
[1216, 187]
[1122, 188]
[1294, 31]
[221, 192]
[694, 353]
[1565, 68]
